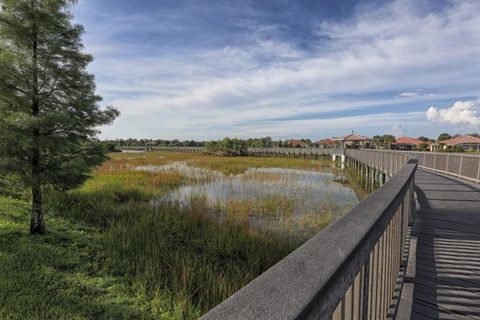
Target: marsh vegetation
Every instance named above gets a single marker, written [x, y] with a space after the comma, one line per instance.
[173, 234]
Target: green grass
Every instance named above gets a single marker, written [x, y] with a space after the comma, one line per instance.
[61, 275]
[109, 254]
[147, 264]
[186, 263]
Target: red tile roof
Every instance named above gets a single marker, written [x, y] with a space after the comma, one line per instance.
[408, 140]
[293, 142]
[325, 141]
[461, 140]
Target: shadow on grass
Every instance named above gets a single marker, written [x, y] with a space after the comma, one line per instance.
[59, 275]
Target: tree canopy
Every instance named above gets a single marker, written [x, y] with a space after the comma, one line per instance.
[49, 112]
[443, 136]
[228, 147]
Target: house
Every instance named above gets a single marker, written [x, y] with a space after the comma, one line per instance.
[294, 143]
[353, 140]
[466, 142]
[325, 143]
[434, 146]
[408, 144]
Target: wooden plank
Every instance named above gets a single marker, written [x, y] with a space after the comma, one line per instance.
[446, 284]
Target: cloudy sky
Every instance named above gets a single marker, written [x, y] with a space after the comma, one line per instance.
[205, 69]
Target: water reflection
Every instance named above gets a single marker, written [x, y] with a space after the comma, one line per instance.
[287, 202]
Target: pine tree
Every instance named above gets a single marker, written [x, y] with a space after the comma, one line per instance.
[49, 112]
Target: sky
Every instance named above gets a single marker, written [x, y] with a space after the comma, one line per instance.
[207, 69]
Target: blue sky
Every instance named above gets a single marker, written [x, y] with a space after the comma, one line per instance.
[286, 69]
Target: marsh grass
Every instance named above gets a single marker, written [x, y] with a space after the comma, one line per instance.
[113, 252]
[226, 165]
[64, 274]
[273, 200]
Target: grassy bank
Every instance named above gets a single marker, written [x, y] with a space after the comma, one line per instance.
[61, 275]
[110, 254]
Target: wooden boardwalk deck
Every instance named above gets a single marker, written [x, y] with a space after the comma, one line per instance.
[446, 282]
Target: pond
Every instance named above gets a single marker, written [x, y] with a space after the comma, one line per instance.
[289, 203]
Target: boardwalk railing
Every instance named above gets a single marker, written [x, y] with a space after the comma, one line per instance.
[252, 150]
[347, 271]
[307, 151]
[459, 165]
[386, 161]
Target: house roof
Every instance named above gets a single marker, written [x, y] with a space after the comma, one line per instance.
[352, 137]
[461, 140]
[325, 141]
[410, 141]
[294, 141]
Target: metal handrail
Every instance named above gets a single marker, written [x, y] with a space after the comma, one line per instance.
[455, 164]
[347, 271]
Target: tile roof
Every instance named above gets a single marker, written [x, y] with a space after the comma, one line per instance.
[294, 142]
[325, 141]
[408, 140]
[461, 140]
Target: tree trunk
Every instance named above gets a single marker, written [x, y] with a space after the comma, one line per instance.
[36, 223]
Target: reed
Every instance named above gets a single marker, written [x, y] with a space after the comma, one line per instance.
[163, 259]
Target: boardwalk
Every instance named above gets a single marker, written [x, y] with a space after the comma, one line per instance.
[446, 282]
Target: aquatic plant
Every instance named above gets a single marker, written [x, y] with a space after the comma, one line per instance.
[184, 255]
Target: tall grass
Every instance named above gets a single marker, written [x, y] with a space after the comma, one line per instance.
[180, 260]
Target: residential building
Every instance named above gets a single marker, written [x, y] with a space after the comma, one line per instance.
[325, 143]
[353, 140]
[466, 142]
[408, 144]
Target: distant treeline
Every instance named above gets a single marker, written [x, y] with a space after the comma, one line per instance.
[155, 142]
[252, 142]
[236, 145]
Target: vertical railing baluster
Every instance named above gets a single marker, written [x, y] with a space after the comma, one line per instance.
[478, 169]
[353, 304]
[376, 294]
[365, 288]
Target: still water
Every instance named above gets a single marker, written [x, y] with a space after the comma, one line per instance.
[288, 202]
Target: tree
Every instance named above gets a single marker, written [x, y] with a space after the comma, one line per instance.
[388, 139]
[49, 112]
[423, 138]
[444, 136]
[378, 141]
[228, 147]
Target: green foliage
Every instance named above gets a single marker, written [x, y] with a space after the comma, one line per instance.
[111, 254]
[49, 112]
[443, 137]
[47, 99]
[423, 147]
[228, 147]
[194, 261]
[72, 278]
[451, 149]
[130, 142]
[261, 142]
[110, 146]
[384, 141]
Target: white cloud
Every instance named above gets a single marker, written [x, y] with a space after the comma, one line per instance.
[408, 94]
[418, 93]
[379, 50]
[398, 130]
[462, 112]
